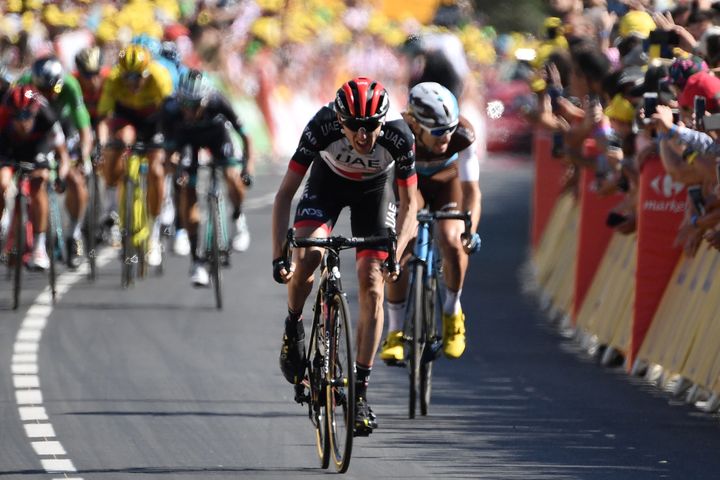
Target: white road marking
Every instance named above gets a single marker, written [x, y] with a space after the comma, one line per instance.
[39, 430]
[24, 367]
[58, 465]
[48, 447]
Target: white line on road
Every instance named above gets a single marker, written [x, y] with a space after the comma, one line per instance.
[24, 367]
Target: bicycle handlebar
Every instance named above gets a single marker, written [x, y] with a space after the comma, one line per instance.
[338, 243]
[468, 239]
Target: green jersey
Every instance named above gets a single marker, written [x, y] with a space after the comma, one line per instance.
[68, 104]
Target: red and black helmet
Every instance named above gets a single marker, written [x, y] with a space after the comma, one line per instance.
[23, 101]
[363, 99]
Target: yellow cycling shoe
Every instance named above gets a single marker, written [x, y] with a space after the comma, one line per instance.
[392, 350]
[453, 334]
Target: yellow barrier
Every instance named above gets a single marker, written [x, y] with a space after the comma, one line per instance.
[607, 309]
[672, 331]
[700, 363]
[554, 259]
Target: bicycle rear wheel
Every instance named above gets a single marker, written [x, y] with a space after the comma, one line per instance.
[21, 219]
[317, 404]
[215, 250]
[414, 320]
[340, 383]
[429, 335]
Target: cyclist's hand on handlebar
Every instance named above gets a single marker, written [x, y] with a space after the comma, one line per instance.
[471, 243]
[391, 271]
[282, 270]
[60, 185]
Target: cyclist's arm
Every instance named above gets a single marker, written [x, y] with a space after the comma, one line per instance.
[80, 114]
[249, 160]
[61, 150]
[407, 212]
[281, 209]
[469, 174]
[225, 109]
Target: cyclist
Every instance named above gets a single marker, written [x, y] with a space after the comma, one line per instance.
[448, 173]
[30, 132]
[353, 152]
[129, 109]
[200, 117]
[91, 72]
[64, 96]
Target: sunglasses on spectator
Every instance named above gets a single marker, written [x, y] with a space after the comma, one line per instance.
[355, 124]
[438, 131]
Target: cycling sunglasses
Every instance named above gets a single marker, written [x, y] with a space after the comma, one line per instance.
[132, 77]
[25, 114]
[189, 104]
[355, 124]
[439, 131]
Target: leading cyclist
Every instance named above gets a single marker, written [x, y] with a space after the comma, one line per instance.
[448, 174]
[354, 153]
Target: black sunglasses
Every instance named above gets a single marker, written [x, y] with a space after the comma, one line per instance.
[355, 124]
[25, 114]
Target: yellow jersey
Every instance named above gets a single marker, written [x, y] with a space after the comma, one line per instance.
[115, 93]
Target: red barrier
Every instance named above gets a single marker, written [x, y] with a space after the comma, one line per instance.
[661, 209]
[594, 236]
[548, 174]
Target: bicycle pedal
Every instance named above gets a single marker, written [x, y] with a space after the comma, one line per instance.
[432, 351]
[300, 396]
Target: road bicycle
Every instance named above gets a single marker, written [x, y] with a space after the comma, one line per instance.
[217, 241]
[423, 344]
[21, 228]
[134, 221]
[92, 215]
[328, 386]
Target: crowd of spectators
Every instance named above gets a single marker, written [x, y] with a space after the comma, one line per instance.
[620, 82]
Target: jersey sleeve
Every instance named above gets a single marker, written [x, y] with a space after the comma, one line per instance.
[403, 151]
[163, 83]
[224, 108]
[74, 98]
[311, 143]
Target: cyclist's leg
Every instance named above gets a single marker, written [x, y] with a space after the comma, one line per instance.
[6, 175]
[113, 172]
[39, 217]
[226, 153]
[316, 213]
[155, 188]
[455, 262]
[76, 199]
[372, 213]
[190, 220]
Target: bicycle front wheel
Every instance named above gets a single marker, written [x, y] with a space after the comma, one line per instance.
[430, 339]
[92, 216]
[316, 383]
[414, 320]
[21, 219]
[51, 242]
[215, 226]
[127, 243]
[340, 383]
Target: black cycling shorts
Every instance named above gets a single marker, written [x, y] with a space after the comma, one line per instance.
[371, 203]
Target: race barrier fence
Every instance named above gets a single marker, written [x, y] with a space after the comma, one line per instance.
[637, 295]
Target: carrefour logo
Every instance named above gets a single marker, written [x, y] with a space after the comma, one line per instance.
[664, 186]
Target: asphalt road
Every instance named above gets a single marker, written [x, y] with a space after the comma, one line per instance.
[153, 382]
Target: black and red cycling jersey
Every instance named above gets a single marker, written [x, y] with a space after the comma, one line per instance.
[323, 137]
[45, 136]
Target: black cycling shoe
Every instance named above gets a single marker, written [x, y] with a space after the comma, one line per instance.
[365, 419]
[292, 357]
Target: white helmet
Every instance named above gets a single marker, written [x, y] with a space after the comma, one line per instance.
[433, 105]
